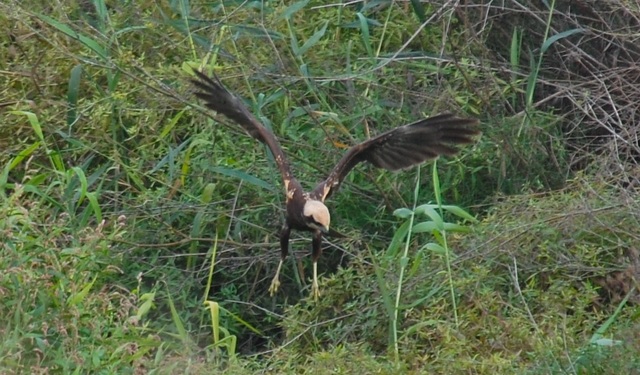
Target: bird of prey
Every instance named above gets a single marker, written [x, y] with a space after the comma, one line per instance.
[393, 150]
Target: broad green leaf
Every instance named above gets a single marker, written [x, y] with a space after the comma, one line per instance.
[547, 43]
[435, 248]
[172, 124]
[23, 155]
[241, 321]
[434, 215]
[207, 193]
[424, 227]
[77, 298]
[364, 29]
[177, 320]
[83, 182]
[235, 173]
[403, 213]
[214, 310]
[33, 121]
[398, 238]
[460, 213]
[147, 303]
[418, 9]
[607, 342]
[95, 206]
[72, 93]
[293, 9]
[90, 43]
[315, 38]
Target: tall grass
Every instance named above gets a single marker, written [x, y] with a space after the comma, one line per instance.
[138, 234]
[435, 226]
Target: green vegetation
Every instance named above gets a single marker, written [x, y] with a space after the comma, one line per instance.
[139, 235]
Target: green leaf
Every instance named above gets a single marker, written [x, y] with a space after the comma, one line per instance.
[214, 310]
[433, 214]
[398, 238]
[84, 186]
[22, 155]
[102, 13]
[72, 93]
[435, 248]
[33, 121]
[207, 193]
[235, 173]
[293, 9]
[315, 38]
[460, 213]
[419, 326]
[418, 9]
[607, 342]
[364, 29]
[547, 43]
[403, 213]
[424, 208]
[515, 50]
[75, 299]
[424, 227]
[177, 321]
[172, 124]
[90, 43]
[146, 305]
[197, 224]
[95, 206]
[242, 321]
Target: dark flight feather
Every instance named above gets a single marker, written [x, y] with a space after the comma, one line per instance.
[403, 147]
[219, 99]
[396, 149]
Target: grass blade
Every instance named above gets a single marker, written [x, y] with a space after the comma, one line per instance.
[72, 94]
[88, 42]
[547, 43]
[315, 38]
[418, 9]
[293, 9]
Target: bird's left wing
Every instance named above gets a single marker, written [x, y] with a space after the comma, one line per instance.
[403, 147]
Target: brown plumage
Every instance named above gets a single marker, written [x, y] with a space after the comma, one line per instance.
[396, 149]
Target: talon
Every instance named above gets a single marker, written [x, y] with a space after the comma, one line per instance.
[275, 284]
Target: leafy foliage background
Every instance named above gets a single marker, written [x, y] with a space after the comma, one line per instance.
[124, 206]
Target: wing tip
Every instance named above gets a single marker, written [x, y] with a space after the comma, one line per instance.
[204, 82]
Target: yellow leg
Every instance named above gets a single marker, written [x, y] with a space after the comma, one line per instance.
[315, 290]
[275, 283]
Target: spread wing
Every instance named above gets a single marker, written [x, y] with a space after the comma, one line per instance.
[403, 147]
[217, 98]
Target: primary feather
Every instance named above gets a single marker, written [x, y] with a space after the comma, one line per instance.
[219, 99]
[403, 147]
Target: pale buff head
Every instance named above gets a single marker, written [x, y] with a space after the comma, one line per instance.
[316, 214]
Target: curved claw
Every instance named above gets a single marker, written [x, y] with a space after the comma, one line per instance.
[275, 284]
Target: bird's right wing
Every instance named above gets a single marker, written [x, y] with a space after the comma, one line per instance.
[217, 98]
